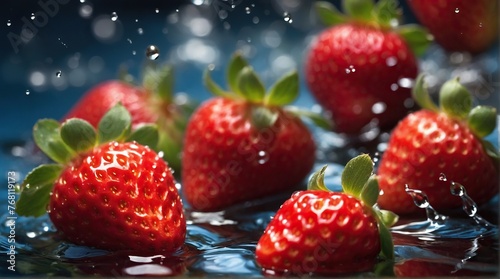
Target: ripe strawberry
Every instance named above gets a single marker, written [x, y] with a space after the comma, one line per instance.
[151, 102]
[322, 232]
[357, 69]
[459, 25]
[104, 192]
[435, 141]
[242, 144]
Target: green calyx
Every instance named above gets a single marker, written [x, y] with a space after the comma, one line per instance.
[244, 84]
[173, 110]
[384, 14]
[73, 138]
[359, 181]
[456, 102]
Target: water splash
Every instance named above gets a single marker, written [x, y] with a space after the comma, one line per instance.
[441, 226]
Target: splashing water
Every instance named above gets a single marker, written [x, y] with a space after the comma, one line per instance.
[441, 226]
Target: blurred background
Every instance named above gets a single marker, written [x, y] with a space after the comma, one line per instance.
[52, 51]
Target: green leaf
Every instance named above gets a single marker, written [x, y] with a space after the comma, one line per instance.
[78, 134]
[318, 119]
[416, 37]
[284, 91]
[46, 134]
[146, 135]
[491, 150]
[386, 11]
[160, 81]
[454, 99]
[317, 180]
[421, 94]
[370, 191]
[36, 188]
[482, 120]
[356, 174]
[387, 246]
[358, 9]
[263, 117]
[388, 218]
[250, 85]
[213, 87]
[114, 125]
[236, 64]
[328, 13]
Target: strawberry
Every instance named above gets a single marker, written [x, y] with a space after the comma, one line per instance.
[322, 232]
[459, 25]
[436, 141]
[107, 189]
[243, 145]
[151, 102]
[358, 69]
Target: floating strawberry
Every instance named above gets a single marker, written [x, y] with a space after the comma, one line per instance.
[151, 102]
[359, 69]
[436, 141]
[102, 191]
[322, 232]
[459, 25]
[243, 145]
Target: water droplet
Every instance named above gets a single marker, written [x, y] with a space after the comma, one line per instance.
[140, 31]
[27, 92]
[255, 20]
[422, 201]
[161, 154]
[85, 11]
[419, 198]
[379, 107]
[247, 10]
[129, 41]
[223, 14]
[32, 16]
[287, 17]
[351, 69]
[82, 1]
[176, 10]
[58, 74]
[9, 23]
[442, 177]
[456, 189]
[263, 157]
[157, 10]
[457, 10]
[391, 61]
[134, 52]
[152, 52]
[136, 20]
[480, 25]
[394, 87]
[114, 16]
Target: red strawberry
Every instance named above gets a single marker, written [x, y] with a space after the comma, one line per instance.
[459, 25]
[104, 192]
[322, 232]
[243, 145]
[151, 102]
[436, 141]
[358, 69]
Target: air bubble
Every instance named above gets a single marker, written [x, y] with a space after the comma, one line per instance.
[140, 31]
[287, 17]
[223, 14]
[58, 74]
[152, 52]
[9, 23]
[157, 10]
[32, 16]
[457, 10]
[27, 92]
[247, 10]
[114, 16]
